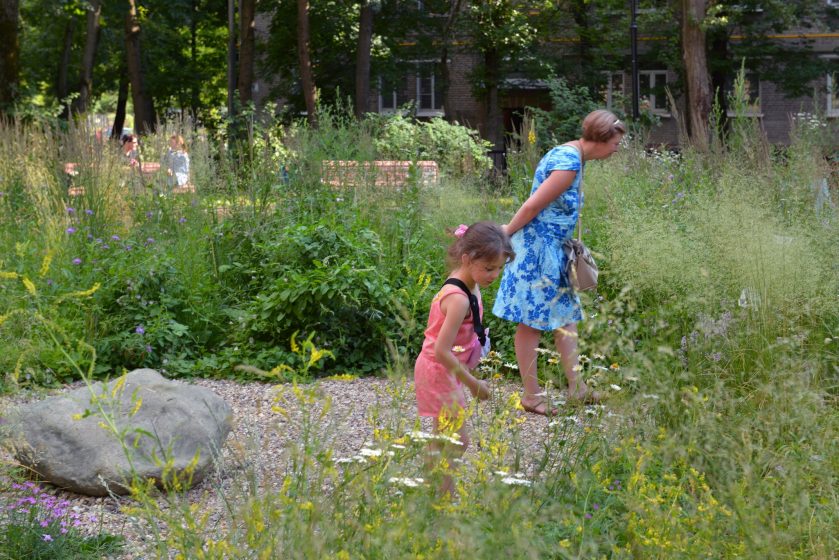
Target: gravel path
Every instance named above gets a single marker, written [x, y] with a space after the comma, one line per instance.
[260, 436]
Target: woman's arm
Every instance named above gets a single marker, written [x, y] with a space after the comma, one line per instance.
[557, 183]
[456, 307]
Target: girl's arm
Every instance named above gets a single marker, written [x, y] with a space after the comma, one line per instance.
[557, 183]
[456, 307]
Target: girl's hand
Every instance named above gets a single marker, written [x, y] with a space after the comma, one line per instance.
[481, 391]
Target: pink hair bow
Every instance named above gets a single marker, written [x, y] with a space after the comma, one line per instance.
[461, 230]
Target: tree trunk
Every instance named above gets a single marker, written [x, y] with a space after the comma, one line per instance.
[9, 55]
[696, 72]
[579, 11]
[494, 134]
[144, 118]
[193, 58]
[122, 100]
[445, 75]
[362, 58]
[81, 103]
[306, 78]
[62, 89]
[247, 47]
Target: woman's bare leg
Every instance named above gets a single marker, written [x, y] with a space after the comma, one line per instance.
[526, 342]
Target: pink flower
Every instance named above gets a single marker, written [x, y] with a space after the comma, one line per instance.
[461, 230]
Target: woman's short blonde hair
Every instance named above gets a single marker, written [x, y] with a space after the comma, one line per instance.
[601, 126]
[179, 140]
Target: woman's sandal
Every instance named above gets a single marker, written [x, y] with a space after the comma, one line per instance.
[543, 408]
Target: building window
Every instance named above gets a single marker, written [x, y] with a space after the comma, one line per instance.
[421, 87]
[833, 95]
[653, 85]
[612, 93]
[749, 106]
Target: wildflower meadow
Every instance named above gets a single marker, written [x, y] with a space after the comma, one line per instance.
[714, 335]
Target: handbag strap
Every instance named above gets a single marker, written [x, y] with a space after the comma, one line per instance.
[473, 306]
[580, 188]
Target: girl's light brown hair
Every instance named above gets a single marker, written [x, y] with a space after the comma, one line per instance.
[482, 240]
[602, 126]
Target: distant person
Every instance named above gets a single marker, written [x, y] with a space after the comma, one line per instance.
[453, 339]
[130, 149]
[535, 291]
[176, 162]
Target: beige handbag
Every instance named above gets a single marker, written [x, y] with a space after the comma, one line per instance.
[580, 267]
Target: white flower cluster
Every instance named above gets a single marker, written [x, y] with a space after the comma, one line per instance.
[809, 121]
[515, 479]
[567, 420]
[425, 437]
[406, 481]
[362, 456]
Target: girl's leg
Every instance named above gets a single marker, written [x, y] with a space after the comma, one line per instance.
[526, 342]
[449, 452]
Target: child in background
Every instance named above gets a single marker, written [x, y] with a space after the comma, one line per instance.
[176, 162]
[130, 149]
[452, 345]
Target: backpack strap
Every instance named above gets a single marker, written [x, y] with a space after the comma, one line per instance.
[473, 306]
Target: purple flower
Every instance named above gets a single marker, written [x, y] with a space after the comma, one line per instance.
[98, 240]
[595, 506]
[89, 212]
[77, 261]
[115, 237]
[49, 282]
[44, 523]
[128, 247]
[150, 240]
[149, 214]
[106, 246]
[71, 210]
[140, 330]
[148, 348]
[47, 538]
[182, 221]
[70, 230]
[588, 516]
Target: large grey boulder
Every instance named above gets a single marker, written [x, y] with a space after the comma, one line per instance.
[162, 421]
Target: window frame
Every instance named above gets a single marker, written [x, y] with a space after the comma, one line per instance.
[754, 110]
[416, 92]
[610, 89]
[665, 112]
[832, 94]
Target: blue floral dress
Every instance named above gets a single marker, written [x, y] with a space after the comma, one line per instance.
[534, 289]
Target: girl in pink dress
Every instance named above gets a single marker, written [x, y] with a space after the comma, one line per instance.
[453, 344]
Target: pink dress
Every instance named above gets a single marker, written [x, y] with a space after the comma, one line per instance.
[436, 388]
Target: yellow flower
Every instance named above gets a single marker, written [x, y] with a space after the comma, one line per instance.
[8, 275]
[531, 137]
[45, 264]
[614, 366]
[30, 287]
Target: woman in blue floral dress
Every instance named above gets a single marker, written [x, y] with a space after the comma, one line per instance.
[534, 291]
